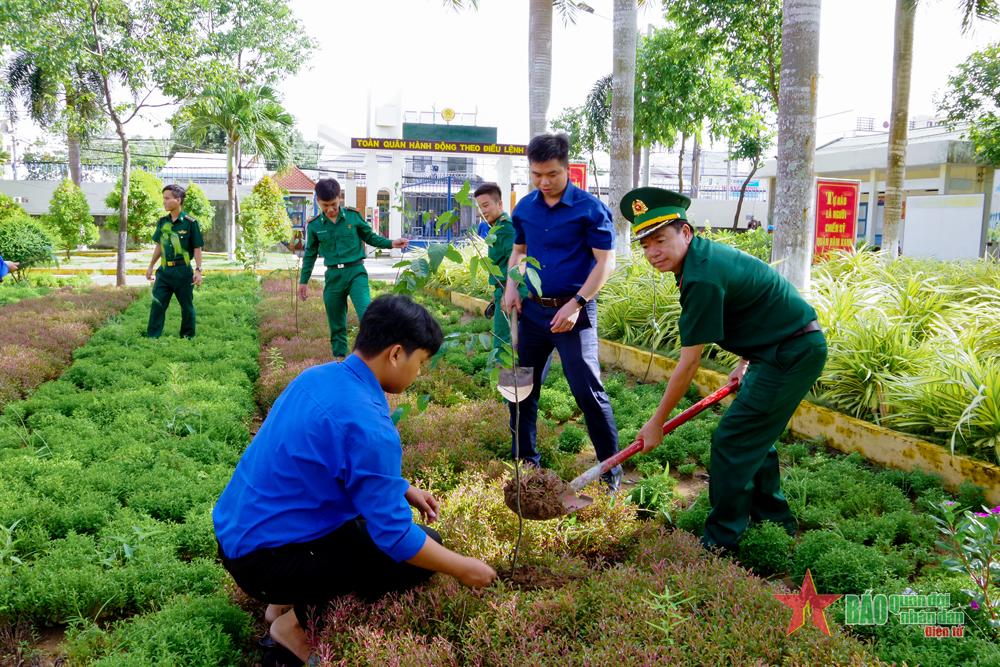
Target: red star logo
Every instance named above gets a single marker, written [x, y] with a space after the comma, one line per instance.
[808, 599]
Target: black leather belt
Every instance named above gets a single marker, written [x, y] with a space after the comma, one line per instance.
[809, 328]
[544, 302]
[345, 265]
[176, 262]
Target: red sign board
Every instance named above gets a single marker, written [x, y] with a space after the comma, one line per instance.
[578, 175]
[836, 215]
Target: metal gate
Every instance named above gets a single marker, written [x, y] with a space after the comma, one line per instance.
[426, 199]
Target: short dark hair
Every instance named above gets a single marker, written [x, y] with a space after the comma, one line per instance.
[397, 319]
[491, 189]
[177, 191]
[547, 147]
[327, 189]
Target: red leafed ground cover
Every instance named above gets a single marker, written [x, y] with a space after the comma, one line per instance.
[38, 336]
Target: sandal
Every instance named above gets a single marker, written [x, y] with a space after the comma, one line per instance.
[267, 642]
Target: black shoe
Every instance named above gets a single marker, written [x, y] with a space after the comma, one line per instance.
[267, 642]
[281, 657]
[613, 479]
[490, 310]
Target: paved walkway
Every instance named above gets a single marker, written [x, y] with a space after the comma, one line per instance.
[378, 269]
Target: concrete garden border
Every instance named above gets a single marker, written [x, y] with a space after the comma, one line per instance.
[842, 432]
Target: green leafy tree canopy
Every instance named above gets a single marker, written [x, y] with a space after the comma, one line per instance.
[264, 222]
[197, 204]
[70, 218]
[973, 97]
[145, 204]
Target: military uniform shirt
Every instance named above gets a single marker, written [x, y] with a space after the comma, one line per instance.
[735, 300]
[188, 231]
[500, 251]
[339, 242]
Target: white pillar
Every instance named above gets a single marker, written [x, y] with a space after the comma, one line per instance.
[944, 180]
[504, 166]
[987, 182]
[872, 206]
[351, 193]
[395, 215]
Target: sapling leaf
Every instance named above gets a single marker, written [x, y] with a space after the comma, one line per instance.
[486, 340]
[462, 196]
[492, 268]
[473, 269]
[446, 219]
[422, 402]
[535, 280]
[453, 254]
[533, 262]
[400, 265]
[490, 240]
[515, 275]
[400, 413]
[494, 375]
[435, 254]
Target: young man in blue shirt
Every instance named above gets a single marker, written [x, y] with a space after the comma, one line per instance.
[317, 508]
[571, 234]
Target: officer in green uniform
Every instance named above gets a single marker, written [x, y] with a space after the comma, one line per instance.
[488, 197]
[339, 234]
[177, 238]
[743, 305]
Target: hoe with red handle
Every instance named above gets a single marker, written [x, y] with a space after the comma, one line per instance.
[573, 502]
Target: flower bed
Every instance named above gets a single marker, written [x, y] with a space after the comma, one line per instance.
[912, 344]
[107, 479]
[38, 335]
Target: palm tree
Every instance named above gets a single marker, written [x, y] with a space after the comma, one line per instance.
[902, 66]
[539, 54]
[626, 17]
[40, 91]
[254, 122]
[792, 245]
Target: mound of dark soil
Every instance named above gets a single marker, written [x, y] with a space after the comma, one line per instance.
[540, 491]
[530, 578]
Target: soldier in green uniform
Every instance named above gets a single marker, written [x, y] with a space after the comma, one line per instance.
[177, 238]
[491, 206]
[743, 305]
[339, 234]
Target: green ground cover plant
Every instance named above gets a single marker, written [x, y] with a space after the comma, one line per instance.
[107, 478]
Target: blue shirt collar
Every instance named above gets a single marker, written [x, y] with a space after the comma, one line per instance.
[356, 364]
[569, 196]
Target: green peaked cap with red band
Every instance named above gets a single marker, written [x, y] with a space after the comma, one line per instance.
[649, 209]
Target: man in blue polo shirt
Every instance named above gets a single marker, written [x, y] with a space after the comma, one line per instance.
[317, 508]
[571, 234]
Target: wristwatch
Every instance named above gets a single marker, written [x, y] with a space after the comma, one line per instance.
[581, 299]
[198, 269]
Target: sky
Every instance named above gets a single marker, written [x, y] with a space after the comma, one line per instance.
[475, 61]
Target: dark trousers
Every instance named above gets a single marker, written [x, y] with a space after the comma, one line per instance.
[172, 280]
[578, 350]
[311, 574]
[745, 485]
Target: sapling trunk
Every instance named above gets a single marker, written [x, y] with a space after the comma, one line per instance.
[517, 472]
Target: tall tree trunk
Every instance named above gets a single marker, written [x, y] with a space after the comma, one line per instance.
[231, 203]
[695, 168]
[680, 164]
[624, 38]
[794, 208]
[636, 164]
[739, 204]
[899, 124]
[123, 204]
[539, 65]
[72, 141]
[73, 157]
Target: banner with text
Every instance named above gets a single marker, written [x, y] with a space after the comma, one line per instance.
[836, 215]
[578, 175]
[438, 146]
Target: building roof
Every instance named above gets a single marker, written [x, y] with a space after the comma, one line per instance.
[926, 147]
[209, 161]
[295, 180]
